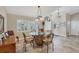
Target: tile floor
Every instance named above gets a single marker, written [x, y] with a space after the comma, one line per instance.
[60, 45]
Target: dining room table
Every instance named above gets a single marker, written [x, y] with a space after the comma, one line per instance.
[37, 39]
[46, 39]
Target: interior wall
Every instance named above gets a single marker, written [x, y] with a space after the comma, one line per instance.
[4, 14]
[59, 25]
[75, 24]
[12, 22]
[68, 24]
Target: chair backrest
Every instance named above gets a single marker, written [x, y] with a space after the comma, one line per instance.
[17, 37]
[24, 35]
[10, 32]
[49, 36]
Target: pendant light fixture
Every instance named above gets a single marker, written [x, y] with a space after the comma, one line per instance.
[39, 16]
[39, 11]
[58, 14]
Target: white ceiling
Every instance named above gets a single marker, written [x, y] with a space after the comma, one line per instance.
[67, 9]
[45, 10]
[30, 10]
[71, 9]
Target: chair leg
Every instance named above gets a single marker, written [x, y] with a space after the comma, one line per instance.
[31, 43]
[52, 46]
[24, 47]
[47, 48]
[52, 42]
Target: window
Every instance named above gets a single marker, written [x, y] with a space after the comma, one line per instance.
[25, 25]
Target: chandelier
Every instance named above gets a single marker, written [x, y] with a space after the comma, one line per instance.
[39, 16]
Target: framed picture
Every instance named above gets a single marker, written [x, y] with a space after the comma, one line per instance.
[1, 24]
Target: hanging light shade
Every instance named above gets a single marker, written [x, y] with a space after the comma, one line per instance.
[58, 14]
[42, 19]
